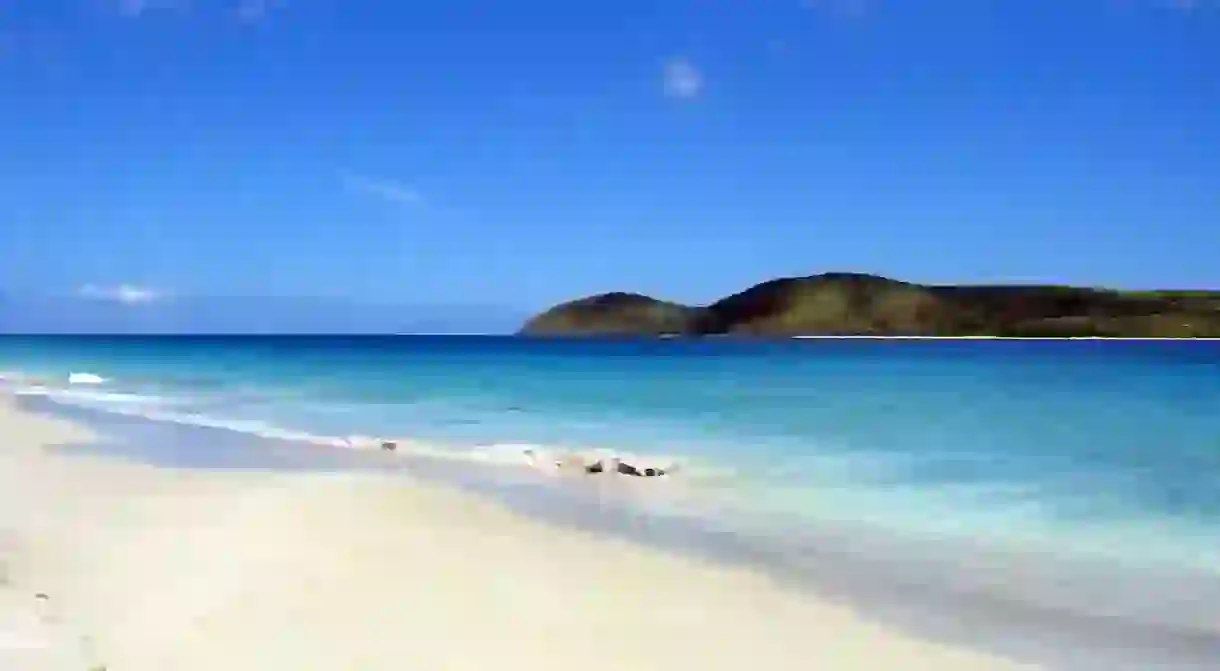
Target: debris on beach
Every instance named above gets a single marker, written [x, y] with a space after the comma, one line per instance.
[623, 468]
[575, 463]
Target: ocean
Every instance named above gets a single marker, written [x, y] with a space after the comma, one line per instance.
[1102, 456]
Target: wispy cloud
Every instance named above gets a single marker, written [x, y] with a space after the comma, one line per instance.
[127, 294]
[1192, 6]
[244, 10]
[257, 10]
[138, 8]
[1183, 7]
[385, 189]
[852, 9]
[681, 80]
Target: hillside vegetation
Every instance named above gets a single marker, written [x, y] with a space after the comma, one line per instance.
[858, 304]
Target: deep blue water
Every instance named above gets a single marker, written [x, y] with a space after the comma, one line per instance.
[1091, 447]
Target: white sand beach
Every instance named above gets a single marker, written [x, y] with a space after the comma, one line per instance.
[147, 569]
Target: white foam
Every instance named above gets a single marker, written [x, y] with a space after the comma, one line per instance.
[361, 442]
[552, 459]
[85, 378]
[547, 459]
[523, 454]
[102, 398]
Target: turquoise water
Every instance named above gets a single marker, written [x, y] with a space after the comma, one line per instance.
[1095, 448]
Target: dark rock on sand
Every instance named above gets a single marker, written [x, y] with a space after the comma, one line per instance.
[624, 468]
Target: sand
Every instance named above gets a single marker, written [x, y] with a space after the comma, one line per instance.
[148, 569]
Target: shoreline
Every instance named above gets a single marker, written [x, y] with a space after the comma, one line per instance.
[156, 568]
[608, 336]
[946, 595]
[988, 337]
[695, 489]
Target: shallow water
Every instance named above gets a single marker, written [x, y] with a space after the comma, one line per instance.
[1095, 447]
[1043, 610]
[1079, 477]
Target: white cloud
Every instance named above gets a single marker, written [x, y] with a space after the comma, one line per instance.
[385, 189]
[127, 294]
[680, 79]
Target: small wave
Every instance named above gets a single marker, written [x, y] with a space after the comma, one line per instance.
[94, 392]
[99, 400]
[17, 382]
[544, 458]
[85, 378]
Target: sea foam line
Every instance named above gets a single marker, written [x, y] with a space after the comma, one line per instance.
[546, 459]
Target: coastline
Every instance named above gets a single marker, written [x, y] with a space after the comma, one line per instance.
[989, 337]
[151, 568]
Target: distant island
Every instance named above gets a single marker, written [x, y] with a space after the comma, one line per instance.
[840, 304]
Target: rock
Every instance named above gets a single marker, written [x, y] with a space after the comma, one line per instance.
[623, 468]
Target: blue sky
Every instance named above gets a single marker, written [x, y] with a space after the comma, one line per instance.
[496, 157]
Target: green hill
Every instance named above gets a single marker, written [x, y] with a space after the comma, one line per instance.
[858, 304]
[614, 314]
